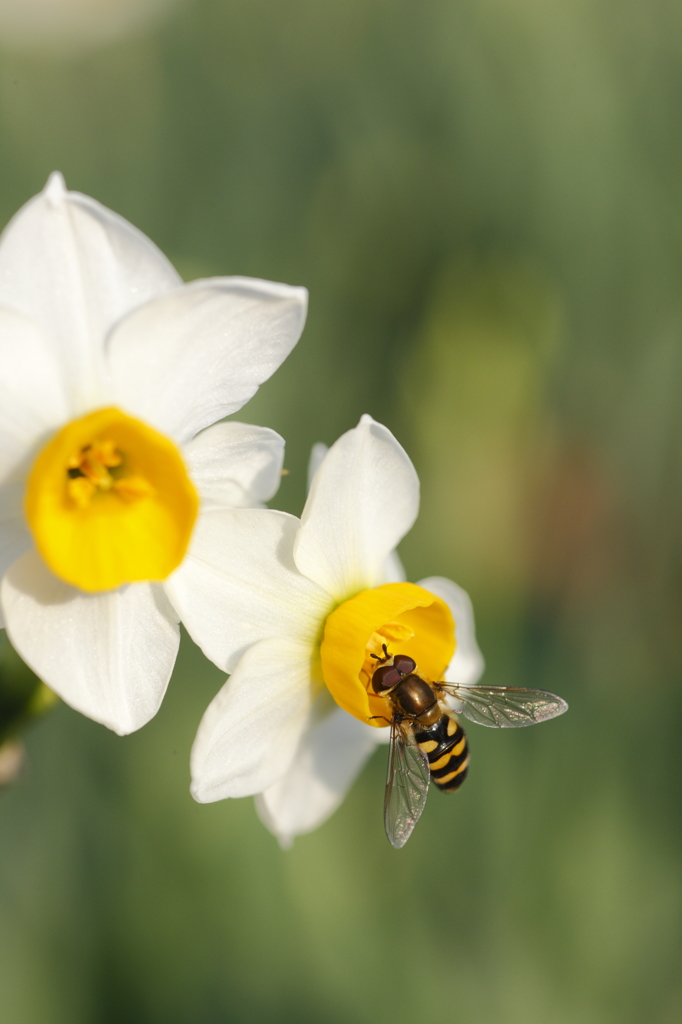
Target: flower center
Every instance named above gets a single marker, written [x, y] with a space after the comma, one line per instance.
[405, 617]
[88, 472]
[109, 501]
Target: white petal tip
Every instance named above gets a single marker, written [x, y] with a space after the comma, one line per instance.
[366, 420]
[299, 294]
[293, 293]
[197, 794]
[55, 189]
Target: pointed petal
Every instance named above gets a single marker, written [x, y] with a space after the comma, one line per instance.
[250, 731]
[234, 465]
[329, 758]
[239, 584]
[363, 500]
[185, 361]
[109, 656]
[75, 268]
[467, 665]
[33, 391]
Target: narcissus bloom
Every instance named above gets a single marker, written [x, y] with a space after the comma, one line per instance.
[110, 371]
[295, 609]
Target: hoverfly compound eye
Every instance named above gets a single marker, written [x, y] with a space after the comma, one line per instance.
[404, 665]
[385, 678]
[388, 676]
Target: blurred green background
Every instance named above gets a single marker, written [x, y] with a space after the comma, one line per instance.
[483, 197]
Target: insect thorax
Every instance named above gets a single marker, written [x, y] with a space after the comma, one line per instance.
[417, 701]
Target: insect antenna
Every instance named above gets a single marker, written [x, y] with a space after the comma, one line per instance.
[378, 657]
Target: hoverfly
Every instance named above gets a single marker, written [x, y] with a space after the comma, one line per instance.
[428, 743]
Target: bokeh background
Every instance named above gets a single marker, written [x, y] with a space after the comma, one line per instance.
[483, 197]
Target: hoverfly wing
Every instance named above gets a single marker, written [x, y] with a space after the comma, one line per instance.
[407, 785]
[504, 707]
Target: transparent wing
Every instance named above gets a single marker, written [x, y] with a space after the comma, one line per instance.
[504, 707]
[407, 785]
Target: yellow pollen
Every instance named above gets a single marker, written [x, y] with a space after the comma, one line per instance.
[80, 490]
[405, 617]
[88, 471]
[109, 502]
[132, 487]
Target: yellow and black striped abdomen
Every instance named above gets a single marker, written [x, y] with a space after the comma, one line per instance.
[445, 745]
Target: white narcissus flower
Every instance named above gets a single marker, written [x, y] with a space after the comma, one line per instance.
[295, 609]
[110, 371]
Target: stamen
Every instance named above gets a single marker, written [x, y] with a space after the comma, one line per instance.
[133, 487]
[80, 490]
[88, 472]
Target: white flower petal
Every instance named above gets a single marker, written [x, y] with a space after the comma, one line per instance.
[14, 536]
[317, 453]
[467, 665]
[185, 361]
[109, 655]
[250, 731]
[75, 268]
[363, 500]
[234, 465]
[14, 541]
[239, 584]
[329, 758]
[393, 569]
[33, 392]
[11, 501]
